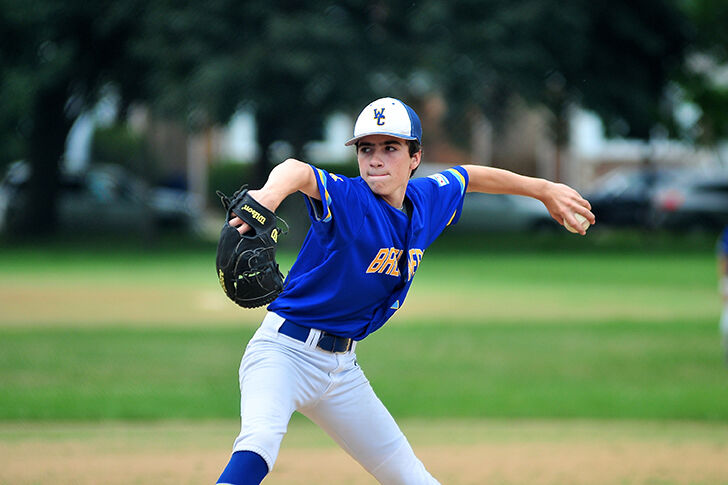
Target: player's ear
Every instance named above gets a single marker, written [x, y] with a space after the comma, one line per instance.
[415, 160]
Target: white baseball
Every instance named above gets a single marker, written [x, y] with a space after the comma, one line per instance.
[581, 220]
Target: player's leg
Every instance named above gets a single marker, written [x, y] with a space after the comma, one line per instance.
[244, 468]
[267, 401]
[356, 419]
[277, 375]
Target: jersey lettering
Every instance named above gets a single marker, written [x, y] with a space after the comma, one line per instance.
[378, 260]
[392, 262]
[386, 261]
[415, 256]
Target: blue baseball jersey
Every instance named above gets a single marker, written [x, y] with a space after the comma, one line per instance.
[360, 254]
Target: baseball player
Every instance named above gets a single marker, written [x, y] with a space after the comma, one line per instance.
[722, 250]
[367, 239]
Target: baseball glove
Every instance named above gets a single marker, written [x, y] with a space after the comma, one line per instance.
[246, 264]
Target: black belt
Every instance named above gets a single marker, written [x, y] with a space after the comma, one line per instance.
[327, 341]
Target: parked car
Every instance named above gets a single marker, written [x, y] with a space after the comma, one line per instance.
[498, 212]
[104, 198]
[504, 213]
[695, 202]
[623, 198]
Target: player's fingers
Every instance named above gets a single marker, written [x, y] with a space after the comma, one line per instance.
[243, 228]
[239, 224]
[575, 223]
[588, 214]
[579, 205]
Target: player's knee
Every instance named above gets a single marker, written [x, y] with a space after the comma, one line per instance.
[404, 468]
[263, 440]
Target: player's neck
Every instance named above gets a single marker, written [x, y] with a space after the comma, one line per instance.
[395, 199]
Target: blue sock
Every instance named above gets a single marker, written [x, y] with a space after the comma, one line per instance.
[244, 468]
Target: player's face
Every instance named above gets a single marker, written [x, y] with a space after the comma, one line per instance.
[385, 164]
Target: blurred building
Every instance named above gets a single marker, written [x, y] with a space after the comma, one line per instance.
[522, 144]
[593, 155]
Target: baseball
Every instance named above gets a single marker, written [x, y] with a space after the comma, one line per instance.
[581, 220]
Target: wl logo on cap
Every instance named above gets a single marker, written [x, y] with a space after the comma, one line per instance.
[379, 116]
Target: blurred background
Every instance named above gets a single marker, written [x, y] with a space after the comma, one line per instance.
[127, 116]
[119, 121]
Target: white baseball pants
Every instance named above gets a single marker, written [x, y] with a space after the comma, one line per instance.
[724, 331]
[280, 375]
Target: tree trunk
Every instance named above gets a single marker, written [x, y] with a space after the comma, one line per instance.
[47, 142]
[266, 126]
[561, 139]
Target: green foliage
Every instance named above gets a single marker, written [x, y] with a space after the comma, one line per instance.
[700, 80]
[614, 58]
[227, 176]
[295, 63]
[348, 168]
[118, 144]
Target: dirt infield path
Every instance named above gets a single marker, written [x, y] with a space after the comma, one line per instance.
[457, 452]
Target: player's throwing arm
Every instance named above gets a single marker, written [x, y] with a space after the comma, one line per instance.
[564, 204]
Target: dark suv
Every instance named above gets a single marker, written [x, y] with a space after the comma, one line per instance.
[697, 202]
[623, 198]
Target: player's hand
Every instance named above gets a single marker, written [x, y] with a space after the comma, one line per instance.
[239, 224]
[261, 196]
[563, 202]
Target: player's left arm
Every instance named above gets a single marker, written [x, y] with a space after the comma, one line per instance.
[561, 200]
[286, 178]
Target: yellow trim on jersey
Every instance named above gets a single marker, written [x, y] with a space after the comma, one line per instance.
[460, 179]
[327, 197]
[451, 218]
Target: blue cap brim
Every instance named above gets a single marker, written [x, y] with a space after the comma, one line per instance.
[395, 135]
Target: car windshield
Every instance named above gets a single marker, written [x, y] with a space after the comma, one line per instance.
[620, 182]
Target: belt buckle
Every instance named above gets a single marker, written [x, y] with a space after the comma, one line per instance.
[334, 340]
[349, 343]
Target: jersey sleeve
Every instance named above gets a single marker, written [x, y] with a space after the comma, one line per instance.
[443, 195]
[341, 209]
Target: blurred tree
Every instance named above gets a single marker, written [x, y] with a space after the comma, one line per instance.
[292, 63]
[704, 81]
[56, 59]
[614, 57]
[199, 62]
[296, 62]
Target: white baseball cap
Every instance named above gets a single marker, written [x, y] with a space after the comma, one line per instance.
[387, 116]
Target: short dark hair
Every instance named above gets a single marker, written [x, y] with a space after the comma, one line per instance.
[414, 147]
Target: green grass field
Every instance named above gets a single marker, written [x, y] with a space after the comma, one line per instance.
[542, 361]
[124, 334]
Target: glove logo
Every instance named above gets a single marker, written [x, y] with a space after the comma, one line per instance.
[256, 215]
[274, 235]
